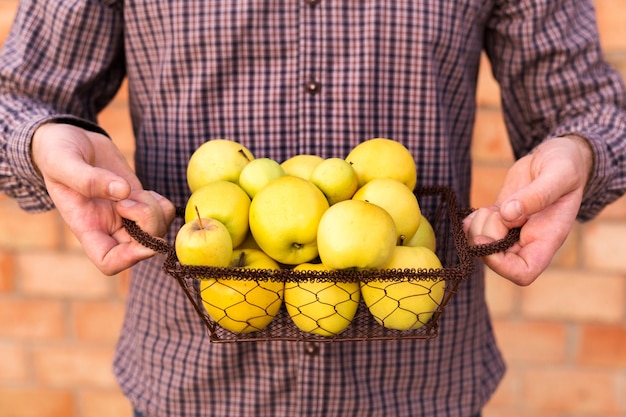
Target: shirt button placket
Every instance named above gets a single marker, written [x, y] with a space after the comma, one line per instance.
[312, 87]
[311, 349]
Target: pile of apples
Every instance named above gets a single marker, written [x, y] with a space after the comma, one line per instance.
[311, 214]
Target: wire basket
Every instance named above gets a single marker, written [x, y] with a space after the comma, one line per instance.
[456, 256]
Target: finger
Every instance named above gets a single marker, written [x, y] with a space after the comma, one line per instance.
[116, 251]
[485, 225]
[533, 198]
[152, 212]
[524, 261]
[67, 155]
[168, 209]
[113, 253]
[88, 181]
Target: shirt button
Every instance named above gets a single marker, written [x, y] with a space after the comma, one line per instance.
[312, 87]
[312, 3]
[311, 349]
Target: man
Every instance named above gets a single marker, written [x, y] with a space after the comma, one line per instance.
[306, 77]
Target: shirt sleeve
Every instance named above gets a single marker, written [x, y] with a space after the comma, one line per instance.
[554, 80]
[62, 61]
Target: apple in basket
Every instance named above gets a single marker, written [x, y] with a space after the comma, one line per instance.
[336, 178]
[405, 303]
[321, 307]
[398, 200]
[204, 242]
[301, 165]
[383, 158]
[424, 236]
[356, 234]
[216, 159]
[243, 305]
[224, 201]
[284, 217]
[258, 173]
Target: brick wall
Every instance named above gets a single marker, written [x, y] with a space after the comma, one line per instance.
[564, 337]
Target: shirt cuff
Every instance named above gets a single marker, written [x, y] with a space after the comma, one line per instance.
[597, 193]
[30, 190]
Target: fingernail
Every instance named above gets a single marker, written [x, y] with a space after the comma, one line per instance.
[127, 203]
[156, 195]
[512, 210]
[117, 189]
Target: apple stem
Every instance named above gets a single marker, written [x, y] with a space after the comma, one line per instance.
[242, 259]
[241, 151]
[199, 217]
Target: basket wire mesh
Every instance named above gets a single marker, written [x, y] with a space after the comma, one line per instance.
[456, 255]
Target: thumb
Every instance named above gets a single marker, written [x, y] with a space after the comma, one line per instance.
[532, 198]
[85, 162]
[75, 173]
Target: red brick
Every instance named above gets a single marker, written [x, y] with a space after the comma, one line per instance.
[69, 275]
[502, 295]
[532, 342]
[123, 283]
[7, 272]
[619, 63]
[13, 363]
[603, 345]
[97, 321]
[31, 319]
[488, 89]
[507, 393]
[121, 98]
[611, 23]
[75, 366]
[22, 230]
[486, 184]
[98, 403]
[568, 255]
[70, 242]
[490, 140]
[35, 402]
[8, 8]
[581, 391]
[614, 211]
[115, 119]
[516, 412]
[582, 296]
[603, 246]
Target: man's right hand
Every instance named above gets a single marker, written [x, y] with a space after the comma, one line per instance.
[93, 187]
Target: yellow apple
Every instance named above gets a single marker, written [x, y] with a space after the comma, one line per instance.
[242, 305]
[398, 200]
[217, 159]
[383, 158]
[224, 201]
[336, 178]
[321, 308]
[248, 243]
[301, 165]
[405, 304]
[203, 242]
[356, 234]
[424, 236]
[259, 173]
[284, 216]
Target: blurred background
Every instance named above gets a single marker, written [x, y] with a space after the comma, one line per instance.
[564, 337]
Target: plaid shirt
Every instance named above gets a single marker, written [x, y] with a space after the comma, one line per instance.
[308, 76]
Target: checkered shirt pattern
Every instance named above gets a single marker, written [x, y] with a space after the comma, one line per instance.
[288, 77]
